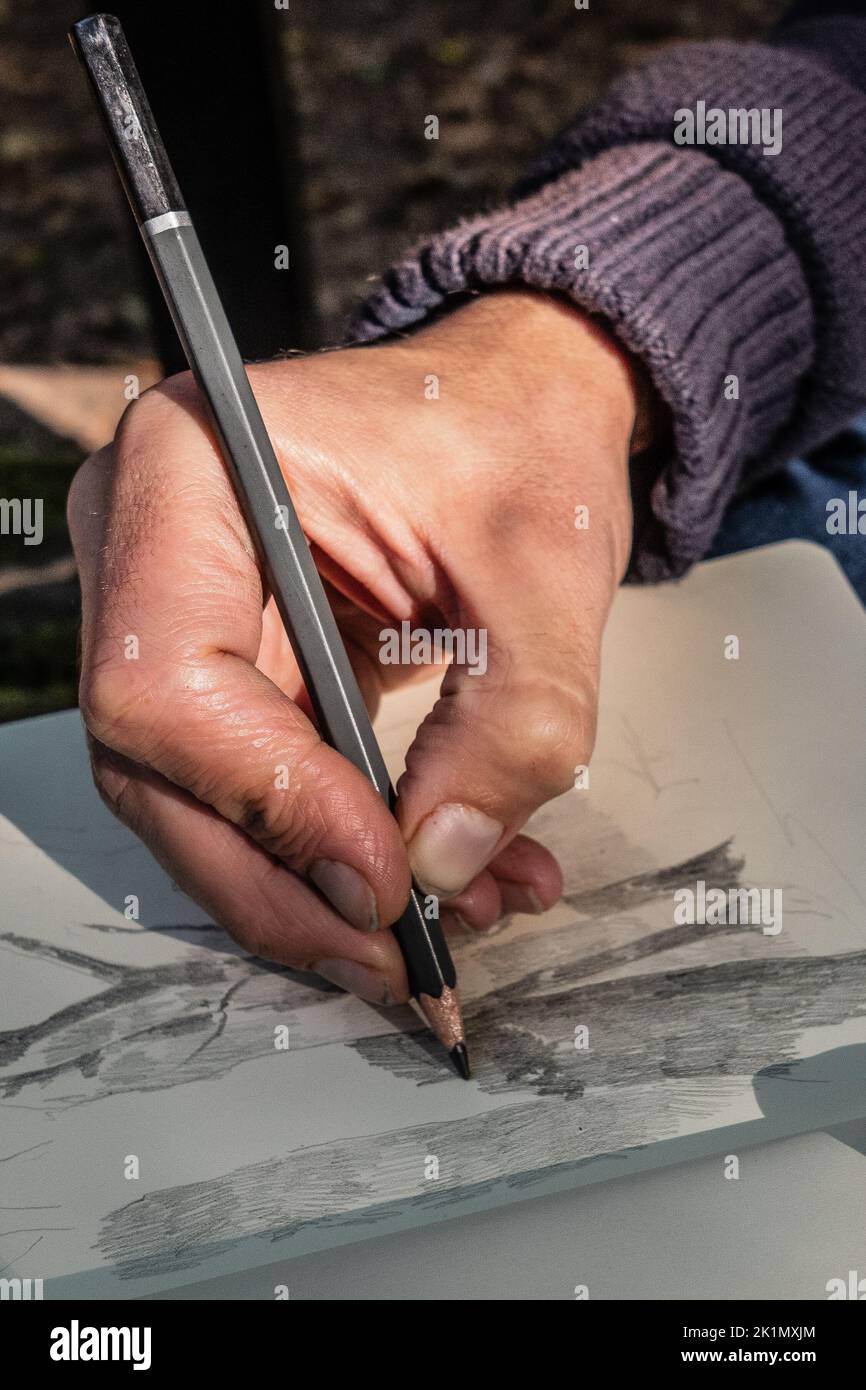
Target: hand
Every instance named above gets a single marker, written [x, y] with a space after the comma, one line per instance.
[455, 512]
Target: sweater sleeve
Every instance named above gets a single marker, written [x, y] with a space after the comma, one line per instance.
[735, 273]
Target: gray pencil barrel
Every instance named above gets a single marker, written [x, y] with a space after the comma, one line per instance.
[273, 523]
[210, 348]
[212, 353]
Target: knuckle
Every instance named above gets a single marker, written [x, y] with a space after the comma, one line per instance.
[114, 704]
[84, 491]
[558, 727]
[79, 491]
[112, 780]
[97, 700]
[287, 823]
[156, 406]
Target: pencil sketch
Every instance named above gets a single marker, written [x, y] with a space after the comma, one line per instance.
[700, 1025]
[115, 1040]
[147, 1028]
[602, 1031]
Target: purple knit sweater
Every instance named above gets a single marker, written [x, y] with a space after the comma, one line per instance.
[708, 262]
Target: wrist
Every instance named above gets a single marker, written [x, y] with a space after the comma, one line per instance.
[539, 399]
[547, 364]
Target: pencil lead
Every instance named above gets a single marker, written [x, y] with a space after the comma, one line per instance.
[446, 1023]
[460, 1058]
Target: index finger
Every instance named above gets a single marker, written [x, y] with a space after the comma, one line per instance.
[172, 623]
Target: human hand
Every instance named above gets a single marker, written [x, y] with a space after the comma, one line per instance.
[455, 513]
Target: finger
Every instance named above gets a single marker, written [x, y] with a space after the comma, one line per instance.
[276, 660]
[519, 897]
[510, 735]
[527, 868]
[480, 903]
[172, 626]
[524, 878]
[269, 910]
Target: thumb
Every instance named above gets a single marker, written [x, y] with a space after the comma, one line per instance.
[512, 723]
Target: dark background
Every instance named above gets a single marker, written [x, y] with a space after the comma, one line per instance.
[301, 126]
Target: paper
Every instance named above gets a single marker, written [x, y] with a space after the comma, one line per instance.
[605, 1037]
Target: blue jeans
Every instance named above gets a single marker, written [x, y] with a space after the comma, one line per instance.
[792, 505]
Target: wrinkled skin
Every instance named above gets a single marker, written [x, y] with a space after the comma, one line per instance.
[451, 512]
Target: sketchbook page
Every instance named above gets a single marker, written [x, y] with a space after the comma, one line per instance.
[155, 1133]
[681, 1232]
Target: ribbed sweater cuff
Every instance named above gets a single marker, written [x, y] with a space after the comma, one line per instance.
[694, 274]
[709, 263]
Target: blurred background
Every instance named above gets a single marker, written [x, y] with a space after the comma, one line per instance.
[297, 124]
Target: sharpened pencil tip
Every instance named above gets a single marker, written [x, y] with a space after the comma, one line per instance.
[460, 1058]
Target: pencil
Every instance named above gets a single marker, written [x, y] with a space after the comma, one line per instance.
[210, 348]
